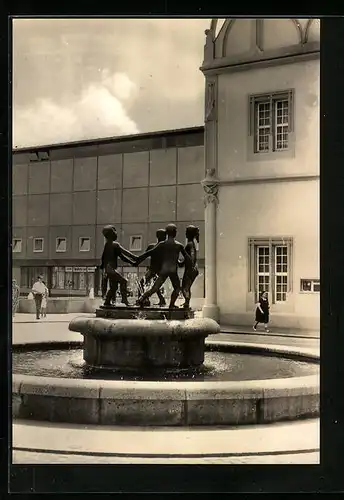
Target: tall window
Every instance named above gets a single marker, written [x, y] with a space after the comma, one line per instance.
[270, 268]
[271, 121]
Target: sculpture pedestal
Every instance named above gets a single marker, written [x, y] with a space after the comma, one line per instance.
[143, 345]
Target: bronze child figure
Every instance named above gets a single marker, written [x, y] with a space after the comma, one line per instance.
[112, 251]
[168, 252]
[154, 267]
[191, 270]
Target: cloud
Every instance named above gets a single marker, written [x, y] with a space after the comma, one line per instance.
[119, 84]
[90, 78]
[99, 112]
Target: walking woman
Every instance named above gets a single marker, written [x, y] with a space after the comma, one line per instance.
[262, 311]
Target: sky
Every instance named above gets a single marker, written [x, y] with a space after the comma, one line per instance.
[78, 79]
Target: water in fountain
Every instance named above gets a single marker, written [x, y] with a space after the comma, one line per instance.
[218, 366]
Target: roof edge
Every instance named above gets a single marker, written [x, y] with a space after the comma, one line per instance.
[104, 140]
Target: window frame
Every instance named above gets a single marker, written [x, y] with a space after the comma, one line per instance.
[89, 241]
[34, 249]
[253, 245]
[56, 244]
[262, 273]
[131, 248]
[13, 245]
[272, 152]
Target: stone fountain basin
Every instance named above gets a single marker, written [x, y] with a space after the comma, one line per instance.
[172, 403]
[143, 344]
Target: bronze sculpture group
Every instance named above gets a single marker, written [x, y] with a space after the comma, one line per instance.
[164, 262]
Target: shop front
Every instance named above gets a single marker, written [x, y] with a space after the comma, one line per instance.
[62, 281]
[73, 280]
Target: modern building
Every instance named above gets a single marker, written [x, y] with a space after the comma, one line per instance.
[64, 194]
[262, 161]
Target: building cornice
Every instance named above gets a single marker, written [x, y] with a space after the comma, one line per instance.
[258, 59]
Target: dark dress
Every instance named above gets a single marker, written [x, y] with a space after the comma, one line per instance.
[263, 317]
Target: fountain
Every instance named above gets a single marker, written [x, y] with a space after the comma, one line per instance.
[152, 365]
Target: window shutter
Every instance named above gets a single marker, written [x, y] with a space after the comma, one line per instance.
[251, 265]
[290, 266]
[251, 116]
[272, 271]
[291, 111]
[272, 125]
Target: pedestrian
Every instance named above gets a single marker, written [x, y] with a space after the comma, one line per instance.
[38, 291]
[44, 301]
[15, 296]
[262, 311]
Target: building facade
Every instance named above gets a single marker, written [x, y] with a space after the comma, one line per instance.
[64, 194]
[262, 163]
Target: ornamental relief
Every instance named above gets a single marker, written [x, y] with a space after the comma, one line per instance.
[211, 187]
[210, 100]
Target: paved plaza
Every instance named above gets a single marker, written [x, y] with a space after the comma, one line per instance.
[43, 442]
[27, 329]
[25, 457]
[51, 443]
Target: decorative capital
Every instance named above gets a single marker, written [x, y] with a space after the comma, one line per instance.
[211, 187]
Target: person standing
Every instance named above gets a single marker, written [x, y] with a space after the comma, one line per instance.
[15, 297]
[44, 301]
[262, 311]
[38, 291]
